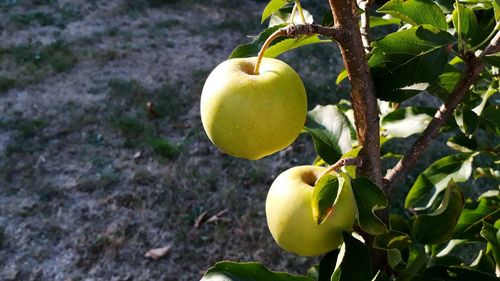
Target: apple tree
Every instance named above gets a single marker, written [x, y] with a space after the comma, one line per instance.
[342, 205]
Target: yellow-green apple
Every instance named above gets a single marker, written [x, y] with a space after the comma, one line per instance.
[289, 213]
[252, 116]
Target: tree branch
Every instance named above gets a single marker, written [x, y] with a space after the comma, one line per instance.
[474, 67]
[364, 101]
[365, 24]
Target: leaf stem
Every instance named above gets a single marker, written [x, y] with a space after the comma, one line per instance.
[294, 10]
[493, 32]
[301, 12]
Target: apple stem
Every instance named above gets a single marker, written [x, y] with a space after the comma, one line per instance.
[270, 39]
[301, 12]
[350, 161]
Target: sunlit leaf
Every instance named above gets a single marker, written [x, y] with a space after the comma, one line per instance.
[324, 194]
[416, 12]
[472, 217]
[331, 131]
[437, 227]
[292, 43]
[273, 6]
[404, 63]
[407, 121]
[435, 178]
[247, 271]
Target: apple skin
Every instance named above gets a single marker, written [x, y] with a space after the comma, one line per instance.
[289, 213]
[252, 116]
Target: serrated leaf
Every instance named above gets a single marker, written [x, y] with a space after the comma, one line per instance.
[331, 132]
[463, 143]
[407, 121]
[438, 226]
[252, 49]
[453, 273]
[471, 220]
[492, 235]
[404, 63]
[324, 194]
[273, 6]
[355, 263]
[466, 24]
[435, 178]
[369, 198]
[416, 12]
[247, 271]
[292, 43]
[392, 240]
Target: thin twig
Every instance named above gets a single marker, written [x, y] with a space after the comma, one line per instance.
[469, 77]
[350, 161]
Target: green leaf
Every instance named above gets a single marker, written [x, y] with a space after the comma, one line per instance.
[351, 169]
[435, 178]
[467, 21]
[273, 6]
[380, 21]
[292, 43]
[484, 263]
[404, 63]
[369, 198]
[252, 49]
[392, 240]
[491, 117]
[342, 75]
[247, 271]
[485, 25]
[395, 259]
[453, 273]
[416, 12]
[356, 262]
[492, 235]
[471, 220]
[438, 226]
[407, 121]
[331, 132]
[324, 194]
[398, 223]
[327, 265]
[463, 143]
[446, 82]
[466, 120]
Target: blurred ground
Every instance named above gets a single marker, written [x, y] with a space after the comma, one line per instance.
[91, 178]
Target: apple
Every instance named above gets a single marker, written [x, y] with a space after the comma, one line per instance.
[289, 213]
[252, 116]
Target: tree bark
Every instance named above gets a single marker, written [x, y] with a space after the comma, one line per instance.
[364, 101]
